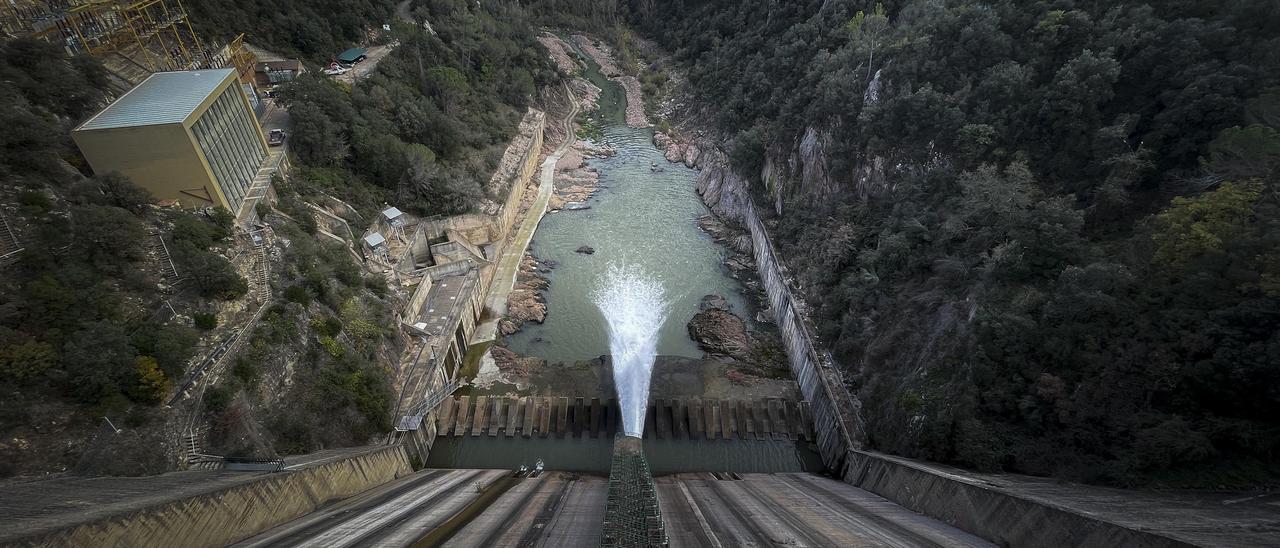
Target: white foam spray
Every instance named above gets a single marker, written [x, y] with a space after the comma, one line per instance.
[634, 308]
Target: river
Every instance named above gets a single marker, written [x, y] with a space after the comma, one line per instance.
[642, 216]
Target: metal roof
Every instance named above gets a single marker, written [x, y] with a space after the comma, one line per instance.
[374, 240]
[163, 98]
[351, 54]
[392, 213]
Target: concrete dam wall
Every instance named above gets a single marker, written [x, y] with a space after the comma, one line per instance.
[987, 510]
[835, 412]
[233, 513]
[679, 418]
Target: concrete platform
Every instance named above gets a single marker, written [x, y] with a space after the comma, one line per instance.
[1027, 511]
[191, 508]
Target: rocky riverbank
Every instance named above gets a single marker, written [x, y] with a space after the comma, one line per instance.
[575, 181]
[602, 54]
[561, 54]
[677, 151]
[751, 355]
[526, 303]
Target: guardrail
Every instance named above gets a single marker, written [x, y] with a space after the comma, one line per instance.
[412, 418]
[251, 464]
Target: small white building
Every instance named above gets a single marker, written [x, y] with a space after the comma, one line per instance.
[377, 245]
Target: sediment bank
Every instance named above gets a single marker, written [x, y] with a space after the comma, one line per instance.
[602, 54]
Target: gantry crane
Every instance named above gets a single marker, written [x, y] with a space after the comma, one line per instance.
[155, 33]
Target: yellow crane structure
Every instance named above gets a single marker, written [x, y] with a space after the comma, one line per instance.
[159, 30]
[133, 38]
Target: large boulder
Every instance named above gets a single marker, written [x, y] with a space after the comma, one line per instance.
[718, 331]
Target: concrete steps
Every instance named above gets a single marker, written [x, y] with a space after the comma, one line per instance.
[194, 456]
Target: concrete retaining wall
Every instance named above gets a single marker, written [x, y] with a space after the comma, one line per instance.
[524, 149]
[986, 510]
[234, 513]
[835, 411]
[413, 309]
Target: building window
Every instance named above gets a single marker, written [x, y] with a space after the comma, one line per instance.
[228, 138]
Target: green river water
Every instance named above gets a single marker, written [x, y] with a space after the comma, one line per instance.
[643, 217]
[639, 217]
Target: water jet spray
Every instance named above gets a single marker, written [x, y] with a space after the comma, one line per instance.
[633, 307]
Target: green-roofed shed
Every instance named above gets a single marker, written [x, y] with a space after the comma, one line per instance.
[352, 55]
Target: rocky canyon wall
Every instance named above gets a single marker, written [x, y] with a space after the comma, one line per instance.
[836, 412]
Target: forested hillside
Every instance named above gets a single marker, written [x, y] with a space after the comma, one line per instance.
[426, 130]
[1039, 236]
[84, 324]
[90, 327]
[314, 29]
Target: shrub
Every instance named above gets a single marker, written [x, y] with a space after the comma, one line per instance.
[152, 383]
[205, 321]
[297, 294]
[247, 372]
[34, 201]
[333, 347]
[326, 326]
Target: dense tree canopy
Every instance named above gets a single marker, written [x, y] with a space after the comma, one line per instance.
[77, 304]
[426, 129]
[1045, 234]
[315, 29]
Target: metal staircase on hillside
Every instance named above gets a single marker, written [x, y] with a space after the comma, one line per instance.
[412, 419]
[158, 250]
[194, 456]
[10, 247]
[223, 353]
[262, 274]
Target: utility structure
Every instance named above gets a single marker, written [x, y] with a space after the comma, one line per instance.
[132, 38]
[632, 517]
[188, 136]
[158, 31]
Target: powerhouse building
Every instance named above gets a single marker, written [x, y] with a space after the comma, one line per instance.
[189, 136]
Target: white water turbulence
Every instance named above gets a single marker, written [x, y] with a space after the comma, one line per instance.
[634, 308]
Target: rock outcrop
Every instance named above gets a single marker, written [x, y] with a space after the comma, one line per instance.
[677, 151]
[526, 303]
[719, 331]
[515, 365]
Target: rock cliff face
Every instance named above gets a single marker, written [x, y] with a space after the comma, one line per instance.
[721, 189]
